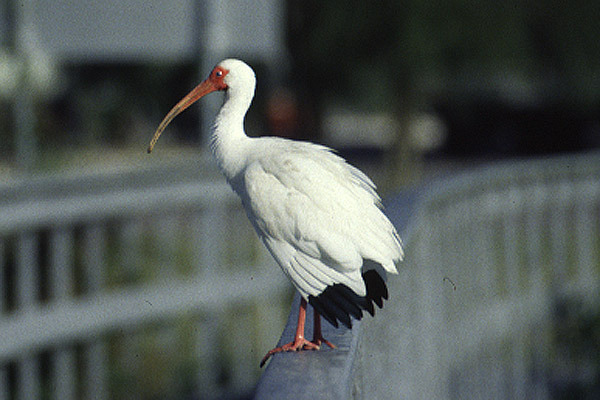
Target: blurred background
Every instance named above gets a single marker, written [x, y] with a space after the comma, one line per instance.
[131, 276]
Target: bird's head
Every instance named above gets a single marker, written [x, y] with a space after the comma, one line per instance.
[229, 75]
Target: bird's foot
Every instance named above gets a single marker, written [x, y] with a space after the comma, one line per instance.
[320, 340]
[297, 345]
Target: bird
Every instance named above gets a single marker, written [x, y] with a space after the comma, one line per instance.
[320, 217]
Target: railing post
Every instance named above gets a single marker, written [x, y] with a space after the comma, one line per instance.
[585, 217]
[64, 377]
[95, 359]
[27, 278]
[3, 368]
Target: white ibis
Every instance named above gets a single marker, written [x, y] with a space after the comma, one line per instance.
[320, 217]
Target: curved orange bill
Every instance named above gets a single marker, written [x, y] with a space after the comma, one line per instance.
[202, 89]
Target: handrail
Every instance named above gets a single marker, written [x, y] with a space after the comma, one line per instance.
[73, 319]
[326, 373]
[36, 213]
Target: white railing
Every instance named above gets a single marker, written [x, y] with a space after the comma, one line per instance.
[117, 285]
[488, 254]
[114, 286]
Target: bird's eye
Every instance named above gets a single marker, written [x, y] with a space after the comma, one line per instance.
[219, 74]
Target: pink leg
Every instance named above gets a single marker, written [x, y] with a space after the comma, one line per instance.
[299, 342]
[318, 338]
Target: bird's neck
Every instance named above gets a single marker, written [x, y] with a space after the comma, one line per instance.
[229, 142]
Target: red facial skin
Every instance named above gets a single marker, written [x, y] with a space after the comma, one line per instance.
[214, 82]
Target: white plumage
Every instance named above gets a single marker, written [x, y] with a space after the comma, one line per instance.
[317, 215]
[320, 217]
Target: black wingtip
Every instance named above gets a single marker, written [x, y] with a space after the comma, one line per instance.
[376, 288]
[339, 304]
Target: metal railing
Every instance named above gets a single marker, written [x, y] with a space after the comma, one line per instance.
[489, 253]
[102, 275]
[114, 283]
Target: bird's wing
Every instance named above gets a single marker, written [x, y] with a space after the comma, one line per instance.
[318, 216]
[310, 275]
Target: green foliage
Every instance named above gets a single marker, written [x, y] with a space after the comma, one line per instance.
[408, 43]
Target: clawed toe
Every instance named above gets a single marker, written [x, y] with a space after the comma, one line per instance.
[297, 345]
[319, 341]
